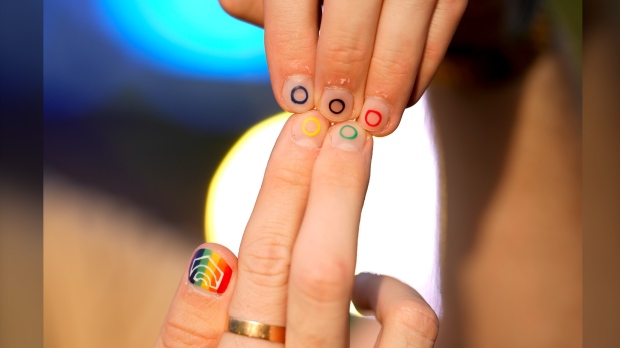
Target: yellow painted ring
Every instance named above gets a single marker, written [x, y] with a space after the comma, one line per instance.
[318, 126]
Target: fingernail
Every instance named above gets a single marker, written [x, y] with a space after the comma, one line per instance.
[348, 136]
[209, 271]
[310, 129]
[298, 93]
[375, 113]
[337, 104]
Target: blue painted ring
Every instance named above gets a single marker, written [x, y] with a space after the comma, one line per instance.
[293, 95]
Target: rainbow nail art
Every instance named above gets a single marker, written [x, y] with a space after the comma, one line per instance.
[209, 271]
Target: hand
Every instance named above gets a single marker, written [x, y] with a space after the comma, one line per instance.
[297, 257]
[372, 59]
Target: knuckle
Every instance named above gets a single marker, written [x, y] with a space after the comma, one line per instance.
[266, 261]
[339, 175]
[324, 282]
[414, 319]
[342, 54]
[290, 174]
[391, 65]
[176, 334]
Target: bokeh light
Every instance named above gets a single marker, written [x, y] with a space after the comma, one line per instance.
[190, 37]
[400, 223]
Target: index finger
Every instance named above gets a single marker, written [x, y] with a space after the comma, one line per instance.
[291, 34]
[265, 251]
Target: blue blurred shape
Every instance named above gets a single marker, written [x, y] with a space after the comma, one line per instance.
[188, 37]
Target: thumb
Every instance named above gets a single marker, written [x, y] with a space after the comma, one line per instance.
[406, 319]
[199, 312]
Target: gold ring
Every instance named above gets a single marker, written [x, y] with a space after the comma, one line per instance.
[255, 329]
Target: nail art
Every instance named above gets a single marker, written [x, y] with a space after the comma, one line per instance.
[350, 130]
[337, 104]
[209, 271]
[375, 113]
[370, 114]
[309, 129]
[297, 93]
[314, 124]
[348, 136]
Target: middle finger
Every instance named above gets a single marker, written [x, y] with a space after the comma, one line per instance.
[344, 50]
[323, 262]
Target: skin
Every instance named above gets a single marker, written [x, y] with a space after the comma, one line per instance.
[313, 197]
[511, 201]
[388, 50]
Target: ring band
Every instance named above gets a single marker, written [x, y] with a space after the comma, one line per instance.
[255, 329]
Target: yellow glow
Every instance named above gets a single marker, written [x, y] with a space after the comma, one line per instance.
[212, 192]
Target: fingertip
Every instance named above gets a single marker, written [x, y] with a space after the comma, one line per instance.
[375, 114]
[212, 268]
[198, 313]
[250, 11]
[309, 129]
[336, 104]
[365, 292]
[297, 93]
[349, 136]
[223, 251]
[390, 127]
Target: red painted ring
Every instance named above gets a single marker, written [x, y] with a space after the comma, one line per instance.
[375, 112]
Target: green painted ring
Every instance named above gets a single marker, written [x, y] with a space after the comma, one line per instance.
[348, 137]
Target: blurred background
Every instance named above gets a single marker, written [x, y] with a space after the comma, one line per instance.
[144, 98]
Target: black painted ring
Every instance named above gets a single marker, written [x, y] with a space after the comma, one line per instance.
[339, 101]
[293, 95]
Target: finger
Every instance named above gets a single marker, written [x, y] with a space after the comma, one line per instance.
[395, 60]
[198, 314]
[250, 11]
[344, 50]
[323, 262]
[264, 255]
[406, 319]
[291, 32]
[445, 20]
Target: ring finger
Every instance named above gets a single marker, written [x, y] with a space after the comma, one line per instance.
[394, 65]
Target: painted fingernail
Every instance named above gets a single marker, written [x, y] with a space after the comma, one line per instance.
[348, 136]
[375, 113]
[298, 93]
[310, 128]
[337, 104]
[209, 271]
